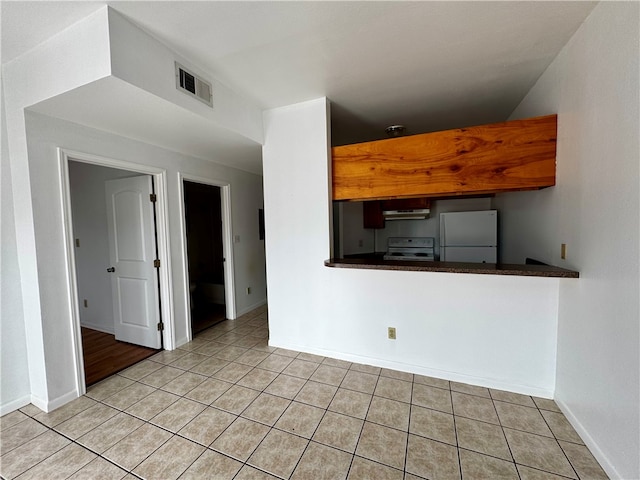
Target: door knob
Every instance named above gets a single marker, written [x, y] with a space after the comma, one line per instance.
[111, 269]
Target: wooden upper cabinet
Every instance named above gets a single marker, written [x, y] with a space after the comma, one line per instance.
[372, 214]
[500, 157]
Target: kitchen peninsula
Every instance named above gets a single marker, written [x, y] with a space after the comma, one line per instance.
[497, 331]
[476, 163]
[453, 267]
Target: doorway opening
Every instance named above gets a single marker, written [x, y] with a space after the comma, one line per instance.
[115, 246]
[205, 253]
[117, 263]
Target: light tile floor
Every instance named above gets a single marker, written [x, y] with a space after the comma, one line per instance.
[229, 406]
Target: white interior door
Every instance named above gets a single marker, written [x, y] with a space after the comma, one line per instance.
[132, 251]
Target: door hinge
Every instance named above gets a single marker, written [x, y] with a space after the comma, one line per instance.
[156, 263]
[160, 327]
[153, 197]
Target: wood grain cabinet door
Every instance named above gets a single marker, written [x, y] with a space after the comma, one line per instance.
[500, 157]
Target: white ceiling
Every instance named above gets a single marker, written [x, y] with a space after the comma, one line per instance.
[115, 106]
[427, 65]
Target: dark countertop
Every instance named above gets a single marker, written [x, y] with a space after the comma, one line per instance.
[453, 267]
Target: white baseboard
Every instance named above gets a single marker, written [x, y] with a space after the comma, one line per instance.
[417, 369]
[591, 444]
[258, 304]
[99, 328]
[40, 403]
[14, 404]
[50, 405]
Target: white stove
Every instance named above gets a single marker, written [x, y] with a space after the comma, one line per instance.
[415, 249]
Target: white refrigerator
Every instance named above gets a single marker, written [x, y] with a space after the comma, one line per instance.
[469, 237]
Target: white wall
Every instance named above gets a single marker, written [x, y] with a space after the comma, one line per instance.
[354, 237]
[593, 85]
[74, 58]
[297, 211]
[496, 331]
[45, 134]
[150, 66]
[15, 391]
[89, 210]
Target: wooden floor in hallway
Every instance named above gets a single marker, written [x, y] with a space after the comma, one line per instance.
[104, 355]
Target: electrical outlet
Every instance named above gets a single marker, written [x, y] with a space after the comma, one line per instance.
[248, 290]
[360, 243]
[563, 251]
[236, 239]
[391, 331]
[86, 303]
[77, 242]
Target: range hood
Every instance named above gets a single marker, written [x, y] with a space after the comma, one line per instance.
[410, 214]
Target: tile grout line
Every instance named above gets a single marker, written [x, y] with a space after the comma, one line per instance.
[326, 410]
[364, 420]
[121, 466]
[504, 435]
[406, 448]
[237, 416]
[272, 427]
[207, 447]
[531, 433]
[37, 463]
[266, 350]
[558, 443]
[309, 379]
[309, 440]
[455, 431]
[72, 441]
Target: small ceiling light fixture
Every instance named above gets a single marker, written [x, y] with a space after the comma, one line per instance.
[395, 130]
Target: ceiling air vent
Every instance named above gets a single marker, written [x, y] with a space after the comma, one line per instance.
[193, 85]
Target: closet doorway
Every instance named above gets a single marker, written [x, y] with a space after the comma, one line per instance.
[205, 254]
